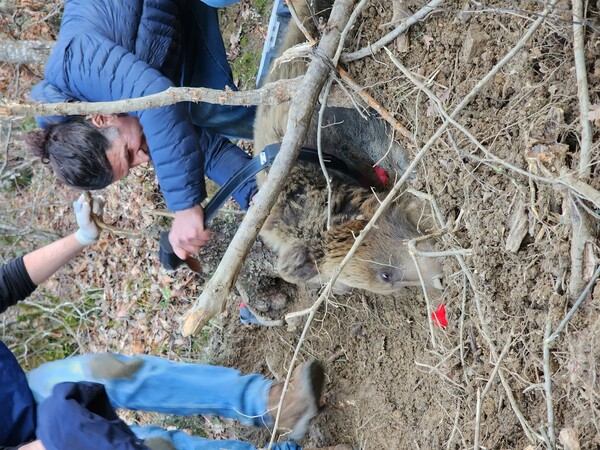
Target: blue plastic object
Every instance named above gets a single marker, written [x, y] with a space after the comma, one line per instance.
[278, 23]
[246, 317]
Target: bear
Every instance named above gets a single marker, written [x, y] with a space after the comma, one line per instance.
[296, 228]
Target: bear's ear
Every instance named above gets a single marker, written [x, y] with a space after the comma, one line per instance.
[296, 264]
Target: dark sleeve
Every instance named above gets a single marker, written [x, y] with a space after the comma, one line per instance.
[17, 407]
[80, 416]
[15, 283]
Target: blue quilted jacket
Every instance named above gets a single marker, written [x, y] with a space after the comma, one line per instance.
[116, 49]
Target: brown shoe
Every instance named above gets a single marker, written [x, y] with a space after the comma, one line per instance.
[301, 402]
[335, 447]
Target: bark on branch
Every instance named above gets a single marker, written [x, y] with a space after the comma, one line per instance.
[270, 94]
[581, 222]
[301, 111]
[25, 52]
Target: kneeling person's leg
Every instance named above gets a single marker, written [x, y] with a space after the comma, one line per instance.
[155, 384]
[205, 65]
[157, 438]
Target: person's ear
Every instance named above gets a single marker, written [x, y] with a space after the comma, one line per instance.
[102, 120]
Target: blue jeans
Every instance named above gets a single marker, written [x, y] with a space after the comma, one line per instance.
[205, 65]
[155, 384]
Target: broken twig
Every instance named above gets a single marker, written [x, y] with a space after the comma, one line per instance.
[577, 304]
[548, 385]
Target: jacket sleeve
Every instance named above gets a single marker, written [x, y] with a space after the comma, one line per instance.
[96, 69]
[80, 416]
[17, 407]
[15, 283]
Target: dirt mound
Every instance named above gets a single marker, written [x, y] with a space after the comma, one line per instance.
[485, 380]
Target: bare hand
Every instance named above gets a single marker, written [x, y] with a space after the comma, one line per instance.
[188, 234]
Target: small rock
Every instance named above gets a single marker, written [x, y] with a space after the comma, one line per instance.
[474, 44]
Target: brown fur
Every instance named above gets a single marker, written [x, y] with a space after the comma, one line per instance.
[296, 227]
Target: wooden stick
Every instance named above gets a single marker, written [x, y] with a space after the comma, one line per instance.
[105, 226]
[320, 148]
[585, 154]
[270, 94]
[368, 98]
[374, 48]
[581, 233]
[298, 21]
[577, 304]
[548, 384]
[411, 251]
[477, 421]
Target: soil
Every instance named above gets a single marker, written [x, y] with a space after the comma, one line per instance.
[388, 386]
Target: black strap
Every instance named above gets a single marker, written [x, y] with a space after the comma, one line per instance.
[260, 162]
[257, 164]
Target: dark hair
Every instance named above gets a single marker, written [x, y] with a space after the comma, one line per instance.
[77, 151]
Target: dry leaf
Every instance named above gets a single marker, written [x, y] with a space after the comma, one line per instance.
[427, 40]
[568, 438]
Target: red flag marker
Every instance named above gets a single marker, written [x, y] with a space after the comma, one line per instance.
[439, 316]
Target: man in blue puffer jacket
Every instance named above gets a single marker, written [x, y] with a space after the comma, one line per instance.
[118, 49]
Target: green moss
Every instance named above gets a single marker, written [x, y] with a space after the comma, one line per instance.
[263, 7]
[28, 124]
[244, 69]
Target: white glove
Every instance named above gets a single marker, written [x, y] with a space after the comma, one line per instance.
[88, 231]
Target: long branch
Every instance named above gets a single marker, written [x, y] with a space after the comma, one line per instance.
[585, 154]
[270, 94]
[580, 222]
[548, 383]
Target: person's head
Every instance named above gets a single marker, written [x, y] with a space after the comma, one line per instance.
[91, 153]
